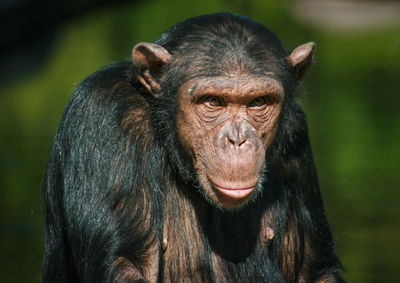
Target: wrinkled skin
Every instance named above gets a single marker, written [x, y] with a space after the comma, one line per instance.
[227, 123]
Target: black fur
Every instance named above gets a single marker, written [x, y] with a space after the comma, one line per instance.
[117, 176]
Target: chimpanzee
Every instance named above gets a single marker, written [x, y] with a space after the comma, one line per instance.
[189, 162]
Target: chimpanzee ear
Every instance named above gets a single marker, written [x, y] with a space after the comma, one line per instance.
[301, 58]
[148, 59]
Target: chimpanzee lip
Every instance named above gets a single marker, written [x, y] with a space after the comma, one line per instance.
[235, 193]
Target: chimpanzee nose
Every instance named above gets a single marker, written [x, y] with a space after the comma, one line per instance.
[236, 136]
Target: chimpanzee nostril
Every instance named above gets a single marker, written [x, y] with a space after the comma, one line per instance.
[243, 142]
[237, 141]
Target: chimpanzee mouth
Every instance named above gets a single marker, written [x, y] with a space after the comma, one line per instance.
[235, 193]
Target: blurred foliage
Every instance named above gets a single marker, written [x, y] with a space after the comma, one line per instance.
[351, 96]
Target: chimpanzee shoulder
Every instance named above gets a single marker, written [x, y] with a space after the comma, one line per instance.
[113, 97]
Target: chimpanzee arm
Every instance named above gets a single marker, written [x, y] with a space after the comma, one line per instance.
[96, 190]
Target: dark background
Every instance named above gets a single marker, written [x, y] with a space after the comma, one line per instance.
[351, 96]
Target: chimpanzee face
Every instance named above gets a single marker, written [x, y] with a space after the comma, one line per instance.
[227, 123]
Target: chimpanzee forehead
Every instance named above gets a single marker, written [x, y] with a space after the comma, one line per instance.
[235, 85]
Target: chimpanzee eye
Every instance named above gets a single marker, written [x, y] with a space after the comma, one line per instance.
[213, 100]
[259, 102]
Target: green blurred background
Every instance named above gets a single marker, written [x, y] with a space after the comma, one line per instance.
[351, 96]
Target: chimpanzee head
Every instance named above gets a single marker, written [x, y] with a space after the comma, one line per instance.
[228, 79]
